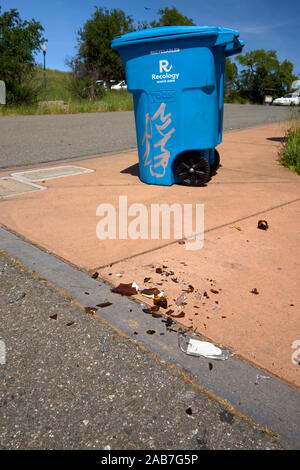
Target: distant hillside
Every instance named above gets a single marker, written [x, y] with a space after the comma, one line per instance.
[56, 85]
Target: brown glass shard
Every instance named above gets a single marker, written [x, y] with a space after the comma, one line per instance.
[124, 289]
[104, 304]
[161, 301]
[147, 310]
[158, 270]
[169, 312]
[190, 289]
[90, 310]
[214, 291]
[262, 225]
[180, 315]
[70, 323]
[150, 292]
[156, 315]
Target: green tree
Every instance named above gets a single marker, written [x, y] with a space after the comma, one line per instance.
[263, 70]
[171, 17]
[95, 58]
[231, 73]
[19, 40]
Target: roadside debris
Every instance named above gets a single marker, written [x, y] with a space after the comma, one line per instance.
[126, 289]
[190, 289]
[180, 315]
[254, 291]
[151, 293]
[161, 301]
[195, 347]
[169, 312]
[261, 378]
[156, 315]
[214, 291]
[189, 411]
[151, 310]
[150, 332]
[95, 275]
[70, 323]
[262, 225]
[16, 296]
[237, 227]
[104, 304]
[53, 317]
[169, 322]
[90, 310]
[180, 301]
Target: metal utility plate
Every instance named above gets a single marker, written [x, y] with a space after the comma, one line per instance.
[12, 187]
[43, 174]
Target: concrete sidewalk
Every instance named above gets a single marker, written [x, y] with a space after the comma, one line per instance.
[249, 186]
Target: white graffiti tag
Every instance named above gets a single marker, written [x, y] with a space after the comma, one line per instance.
[162, 159]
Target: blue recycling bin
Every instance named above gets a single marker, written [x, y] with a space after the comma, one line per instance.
[176, 75]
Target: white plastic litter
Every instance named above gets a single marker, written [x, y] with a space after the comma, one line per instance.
[195, 347]
[135, 286]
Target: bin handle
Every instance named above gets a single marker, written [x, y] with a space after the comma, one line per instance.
[234, 47]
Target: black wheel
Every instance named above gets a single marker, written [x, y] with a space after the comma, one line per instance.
[193, 169]
[216, 163]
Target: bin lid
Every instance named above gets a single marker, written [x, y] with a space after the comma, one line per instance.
[223, 35]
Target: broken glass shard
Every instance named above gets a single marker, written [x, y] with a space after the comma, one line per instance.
[125, 289]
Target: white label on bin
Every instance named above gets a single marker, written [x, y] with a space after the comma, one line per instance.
[164, 51]
[165, 75]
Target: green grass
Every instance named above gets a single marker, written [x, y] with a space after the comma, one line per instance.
[56, 85]
[289, 153]
[57, 89]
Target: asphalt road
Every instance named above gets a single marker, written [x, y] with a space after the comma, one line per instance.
[30, 140]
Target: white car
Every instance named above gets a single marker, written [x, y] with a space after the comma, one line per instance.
[287, 100]
[119, 86]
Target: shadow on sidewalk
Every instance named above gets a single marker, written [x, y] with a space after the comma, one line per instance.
[132, 170]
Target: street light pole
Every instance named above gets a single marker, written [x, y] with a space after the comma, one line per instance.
[44, 49]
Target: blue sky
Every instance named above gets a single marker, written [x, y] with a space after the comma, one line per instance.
[267, 24]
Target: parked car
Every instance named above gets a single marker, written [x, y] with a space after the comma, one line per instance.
[119, 86]
[288, 100]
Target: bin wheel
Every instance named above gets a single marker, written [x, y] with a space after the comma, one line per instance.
[192, 169]
[216, 163]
